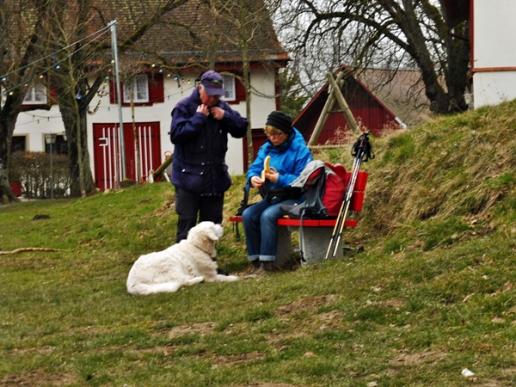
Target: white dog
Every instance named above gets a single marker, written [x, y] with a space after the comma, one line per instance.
[183, 264]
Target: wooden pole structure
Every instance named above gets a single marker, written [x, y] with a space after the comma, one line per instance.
[328, 105]
[352, 123]
[334, 93]
[161, 169]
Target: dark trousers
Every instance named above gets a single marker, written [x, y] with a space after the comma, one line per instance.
[190, 206]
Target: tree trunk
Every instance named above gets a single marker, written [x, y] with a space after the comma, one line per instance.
[457, 79]
[6, 194]
[74, 119]
[8, 116]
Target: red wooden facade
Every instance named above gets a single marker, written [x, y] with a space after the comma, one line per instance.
[142, 152]
[367, 109]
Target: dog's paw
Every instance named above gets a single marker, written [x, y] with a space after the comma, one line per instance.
[227, 278]
[194, 280]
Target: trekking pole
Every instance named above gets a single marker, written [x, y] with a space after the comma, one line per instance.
[362, 152]
[343, 211]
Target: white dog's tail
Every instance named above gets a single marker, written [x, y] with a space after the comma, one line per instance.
[166, 287]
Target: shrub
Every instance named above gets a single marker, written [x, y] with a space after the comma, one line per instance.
[38, 180]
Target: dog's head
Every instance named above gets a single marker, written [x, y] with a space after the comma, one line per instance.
[204, 235]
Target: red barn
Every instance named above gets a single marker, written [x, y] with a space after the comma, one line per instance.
[367, 109]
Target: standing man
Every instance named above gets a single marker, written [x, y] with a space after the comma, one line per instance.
[199, 132]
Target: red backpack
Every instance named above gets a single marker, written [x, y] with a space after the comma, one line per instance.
[323, 186]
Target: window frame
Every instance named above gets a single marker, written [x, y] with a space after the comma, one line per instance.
[33, 93]
[132, 86]
[15, 144]
[229, 87]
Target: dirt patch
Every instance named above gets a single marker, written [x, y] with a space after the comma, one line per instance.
[240, 358]
[306, 304]
[329, 320]
[239, 328]
[166, 208]
[39, 378]
[394, 303]
[264, 385]
[45, 350]
[278, 340]
[201, 329]
[414, 359]
[315, 323]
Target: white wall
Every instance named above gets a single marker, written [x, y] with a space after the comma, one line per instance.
[35, 124]
[494, 51]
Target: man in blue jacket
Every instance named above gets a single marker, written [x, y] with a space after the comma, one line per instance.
[199, 132]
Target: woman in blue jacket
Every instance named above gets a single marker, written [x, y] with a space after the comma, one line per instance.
[288, 156]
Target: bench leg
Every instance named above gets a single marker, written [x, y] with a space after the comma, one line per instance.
[284, 251]
[236, 230]
[315, 243]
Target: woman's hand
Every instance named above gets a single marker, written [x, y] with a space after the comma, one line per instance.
[272, 175]
[256, 182]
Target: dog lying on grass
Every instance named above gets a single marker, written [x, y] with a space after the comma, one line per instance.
[183, 264]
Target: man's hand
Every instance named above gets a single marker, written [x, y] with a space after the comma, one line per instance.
[203, 109]
[256, 182]
[217, 113]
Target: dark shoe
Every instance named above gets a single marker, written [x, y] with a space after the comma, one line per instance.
[255, 268]
[256, 264]
[270, 266]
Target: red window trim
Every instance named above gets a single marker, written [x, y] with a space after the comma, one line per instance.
[156, 91]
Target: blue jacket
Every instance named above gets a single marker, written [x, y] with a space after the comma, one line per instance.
[288, 159]
[200, 145]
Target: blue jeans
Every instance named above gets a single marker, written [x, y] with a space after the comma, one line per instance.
[261, 230]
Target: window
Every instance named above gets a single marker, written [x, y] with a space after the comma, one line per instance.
[138, 88]
[36, 95]
[18, 144]
[59, 147]
[229, 87]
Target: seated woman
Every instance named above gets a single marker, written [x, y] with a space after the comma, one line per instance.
[288, 156]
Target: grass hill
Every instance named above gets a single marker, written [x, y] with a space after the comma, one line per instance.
[432, 294]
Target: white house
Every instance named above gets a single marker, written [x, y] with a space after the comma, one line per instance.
[493, 51]
[492, 47]
[155, 90]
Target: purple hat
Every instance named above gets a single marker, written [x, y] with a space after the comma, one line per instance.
[213, 83]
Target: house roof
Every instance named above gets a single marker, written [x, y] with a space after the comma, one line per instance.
[194, 33]
[402, 90]
[367, 108]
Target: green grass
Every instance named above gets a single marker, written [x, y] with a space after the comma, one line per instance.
[432, 294]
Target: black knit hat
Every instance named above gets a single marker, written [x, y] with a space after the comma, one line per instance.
[280, 121]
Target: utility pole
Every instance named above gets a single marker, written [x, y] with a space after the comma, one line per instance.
[112, 24]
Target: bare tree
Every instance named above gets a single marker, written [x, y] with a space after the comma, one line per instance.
[21, 29]
[82, 68]
[237, 31]
[387, 33]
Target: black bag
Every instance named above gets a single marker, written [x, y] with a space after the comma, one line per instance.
[271, 195]
[280, 194]
[323, 188]
[312, 206]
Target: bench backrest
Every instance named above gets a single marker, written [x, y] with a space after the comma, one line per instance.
[357, 200]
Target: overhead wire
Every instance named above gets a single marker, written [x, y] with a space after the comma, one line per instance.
[99, 32]
[45, 69]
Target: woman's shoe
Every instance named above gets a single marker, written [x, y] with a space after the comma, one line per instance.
[270, 266]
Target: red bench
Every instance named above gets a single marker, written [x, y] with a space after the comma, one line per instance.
[316, 233]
